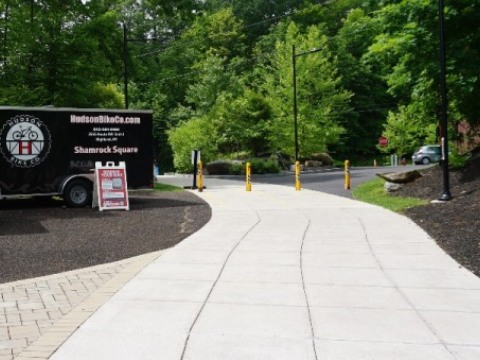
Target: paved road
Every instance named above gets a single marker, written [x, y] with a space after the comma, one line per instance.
[330, 181]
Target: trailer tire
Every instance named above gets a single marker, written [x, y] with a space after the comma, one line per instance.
[78, 193]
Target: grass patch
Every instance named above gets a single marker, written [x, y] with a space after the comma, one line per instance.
[165, 187]
[372, 192]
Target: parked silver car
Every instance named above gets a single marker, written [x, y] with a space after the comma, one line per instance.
[427, 154]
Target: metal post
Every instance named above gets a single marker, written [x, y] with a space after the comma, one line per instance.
[5, 35]
[248, 172]
[347, 174]
[298, 185]
[125, 59]
[295, 110]
[200, 176]
[446, 195]
[125, 65]
[195, 168]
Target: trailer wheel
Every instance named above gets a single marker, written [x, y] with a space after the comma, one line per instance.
[78, 193]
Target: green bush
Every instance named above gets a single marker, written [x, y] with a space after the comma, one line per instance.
[264, 166]
[457, 160]
[218, 167]
[195, 134]
[238, 156]
[106, 96]
[236, 167]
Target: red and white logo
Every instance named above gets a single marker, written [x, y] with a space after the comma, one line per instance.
[25, 141]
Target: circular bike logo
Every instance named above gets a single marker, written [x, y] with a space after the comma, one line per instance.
[25, 141]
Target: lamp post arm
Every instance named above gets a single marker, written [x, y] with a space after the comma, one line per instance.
[307, 52]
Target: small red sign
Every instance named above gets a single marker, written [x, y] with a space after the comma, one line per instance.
[112, 188]
[383, 141]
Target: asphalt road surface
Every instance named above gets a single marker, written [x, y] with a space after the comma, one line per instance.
[333, 182]
[330, 181]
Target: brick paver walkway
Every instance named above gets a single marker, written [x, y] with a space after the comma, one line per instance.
[30, 308]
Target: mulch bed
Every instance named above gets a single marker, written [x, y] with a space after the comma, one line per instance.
[41, 237]
[454, 224]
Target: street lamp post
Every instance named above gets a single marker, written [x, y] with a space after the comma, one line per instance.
[295, 109]
[295, 124]
[125, 65]
[125, 59]
[446, 195]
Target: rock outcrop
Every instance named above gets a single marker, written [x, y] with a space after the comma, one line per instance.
[401, 177]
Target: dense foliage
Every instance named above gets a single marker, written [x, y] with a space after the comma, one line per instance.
[218, 74]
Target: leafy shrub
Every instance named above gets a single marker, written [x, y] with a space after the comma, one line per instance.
[283, 160]
[218, 167]
[236, 167]
[262, 166]
[194, 134]
[238, 156]
[106, 96]
[457, 160]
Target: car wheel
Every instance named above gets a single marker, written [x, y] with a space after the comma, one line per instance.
[426, 161]
[78, 193]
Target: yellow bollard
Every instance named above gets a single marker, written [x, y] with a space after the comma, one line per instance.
[298, 185]
[200, 176]
[347, 175]
[248, 172]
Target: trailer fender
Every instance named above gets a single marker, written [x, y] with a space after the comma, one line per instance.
[77, 190]
[65, 181]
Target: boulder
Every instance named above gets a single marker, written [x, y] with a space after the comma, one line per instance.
[402, 177]
[392, 187]
[313, 164]
[293, 167]
[323, 157]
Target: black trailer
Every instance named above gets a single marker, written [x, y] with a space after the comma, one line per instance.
[52, 151]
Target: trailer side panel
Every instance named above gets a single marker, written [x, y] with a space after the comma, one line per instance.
[40, 147]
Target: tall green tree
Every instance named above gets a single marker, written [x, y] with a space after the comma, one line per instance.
[321, 100]
[370, 101]
[210, 56]
[241, 123]
[55, 53]
[258, 15]
[407, 54]
[406, 129]
[226, 66]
